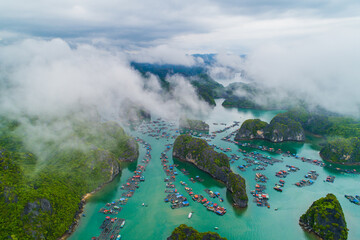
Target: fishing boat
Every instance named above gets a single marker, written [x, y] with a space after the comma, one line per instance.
[190, 215]
[122, 224]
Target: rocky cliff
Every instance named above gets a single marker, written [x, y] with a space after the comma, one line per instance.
[280, 129]
[199, 153]
[344, 151]
[184, 232]
[326, 219]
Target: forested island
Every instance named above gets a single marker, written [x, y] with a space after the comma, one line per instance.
[184, 232]
[41, 195]
[198, 152]
[340, 135]
[326, 219]
[280, 129]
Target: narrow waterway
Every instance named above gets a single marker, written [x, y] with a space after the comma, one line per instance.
[157, 220]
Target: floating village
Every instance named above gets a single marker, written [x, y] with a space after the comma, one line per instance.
[180, 194]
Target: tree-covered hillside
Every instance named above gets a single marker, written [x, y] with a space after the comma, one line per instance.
[41, 192]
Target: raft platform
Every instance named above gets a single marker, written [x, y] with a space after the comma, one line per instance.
[111, 228]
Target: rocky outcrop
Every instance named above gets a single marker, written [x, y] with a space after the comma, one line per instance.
[33, 209]
[184, 232]
[132, 152]
[326, 219]
[194, 125]
[280, 129]
[236, 185]
[199, 153]
[345, 151]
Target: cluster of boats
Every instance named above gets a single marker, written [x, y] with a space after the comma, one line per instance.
[196, 179]
[260, 197]
[177, 200]
[278, 186]
[304, 183]
[266, 160]
[292, 168]
[312, 175]
[355, 200]
[281, 174]
[211, 206]
[259, 177]
[330, 179]
[111, 226]
[235, 124]
[110, 229]
[158, 129]
[284, 154]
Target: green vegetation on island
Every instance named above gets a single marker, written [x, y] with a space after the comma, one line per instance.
[198, 152]
[280, 129]
[194, 125]
[334, 129]
[342, 151]
[253, 96]
[184, 232]
[207, 88]
[241, 95]
[41, 191]
[341, 134]
[326, 219]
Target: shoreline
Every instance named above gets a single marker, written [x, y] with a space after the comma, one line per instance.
[82, 203]
[340, 164]
[308, 229]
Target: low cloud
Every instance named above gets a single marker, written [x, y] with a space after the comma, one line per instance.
[45, 84]
[320, 70]
[228, 68]
[162, 54]
[50, 78]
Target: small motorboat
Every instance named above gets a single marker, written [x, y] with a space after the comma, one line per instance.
[190, 215]
[216, 228]
[122, 225]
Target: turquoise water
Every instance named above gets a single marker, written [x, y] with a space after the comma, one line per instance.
[158, 220]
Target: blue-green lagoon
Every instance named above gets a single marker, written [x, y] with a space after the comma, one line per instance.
[157, 220]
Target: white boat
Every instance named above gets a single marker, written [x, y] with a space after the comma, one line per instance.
[216, 228]
[118, 237]
[190, 215]
[122, 225]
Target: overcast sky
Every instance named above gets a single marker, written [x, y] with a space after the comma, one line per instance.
[307, 46]
[196, 26]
